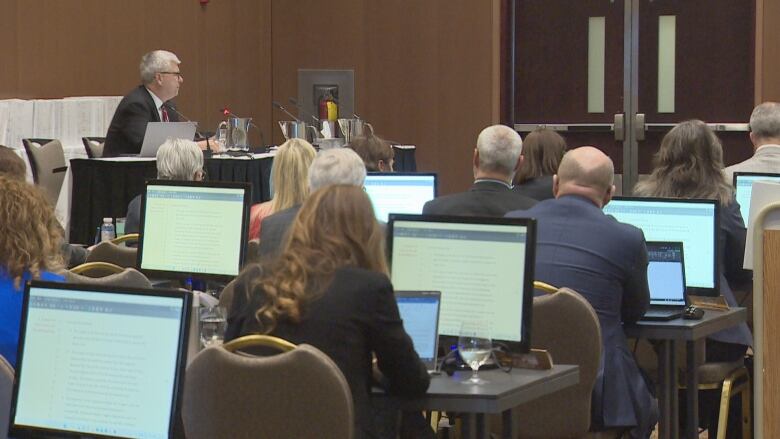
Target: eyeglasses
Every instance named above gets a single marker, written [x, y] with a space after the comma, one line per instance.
[173, 73]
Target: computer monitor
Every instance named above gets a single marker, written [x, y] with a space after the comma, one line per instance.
[99, 362]
[693, 222]
[193, 229]
[482, 266]
[399, 192]
[743, 185]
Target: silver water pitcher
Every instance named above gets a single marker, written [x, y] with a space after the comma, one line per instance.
[235, 131]
[356, 127]
[298, 129]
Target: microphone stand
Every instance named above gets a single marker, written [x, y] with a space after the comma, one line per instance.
[208, 152]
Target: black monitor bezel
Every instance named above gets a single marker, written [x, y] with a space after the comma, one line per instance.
[165, 274]
[692, 290]
[30, 432]
[524, 345]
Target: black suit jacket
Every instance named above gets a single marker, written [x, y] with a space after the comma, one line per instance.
[354, 317]
[539, 188]
[484, 198]
[128, 126]
[273, 231]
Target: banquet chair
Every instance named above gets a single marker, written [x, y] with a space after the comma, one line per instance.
[119, 255]
[127, 277]
[47, 162]
[96, 269]
[222, 381]
[565, 325]
[94, 146]
[6, 389]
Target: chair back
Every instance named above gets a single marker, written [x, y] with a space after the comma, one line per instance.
[128, 277]
[300, 393]
[565, 324]
[47, 162]
[6, 390]
[119, 255]
[94, 146]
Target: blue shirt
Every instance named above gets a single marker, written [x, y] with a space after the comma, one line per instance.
[11, 311]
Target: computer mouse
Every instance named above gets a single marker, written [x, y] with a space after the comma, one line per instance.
[693, 313]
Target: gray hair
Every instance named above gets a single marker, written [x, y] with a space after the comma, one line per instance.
[765, 120]
[179, 159]
[155, 62]
[499, 149]
[336, 166]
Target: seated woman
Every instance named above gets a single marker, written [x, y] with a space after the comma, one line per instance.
[30, 238]
[289, 180]
[689, 164]
[329, 288]
[177, 159]
[377, 153]
[543, 150]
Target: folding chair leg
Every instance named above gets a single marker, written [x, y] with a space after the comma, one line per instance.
[723, 415]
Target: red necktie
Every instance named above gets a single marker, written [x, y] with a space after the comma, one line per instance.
[164, 114]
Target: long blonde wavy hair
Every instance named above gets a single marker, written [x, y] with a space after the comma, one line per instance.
[689, 164]
[335, 228]
[30, 235]
[291, 174]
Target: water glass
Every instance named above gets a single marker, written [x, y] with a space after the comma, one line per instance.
[213, 323]
[475, 347]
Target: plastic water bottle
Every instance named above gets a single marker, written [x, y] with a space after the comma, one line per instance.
[107, 231]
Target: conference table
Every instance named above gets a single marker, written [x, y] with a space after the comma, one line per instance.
[97, 188]
[693, 334]
[501, 392]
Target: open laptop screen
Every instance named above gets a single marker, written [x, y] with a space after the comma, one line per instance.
[99, 361]
[419, 311]
[193, 229]
[743, 185]
[692, 222]
[396, 192]
[666, 273]
[482, 266]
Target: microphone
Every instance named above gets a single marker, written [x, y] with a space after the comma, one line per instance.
[280, 107]
[182, 116]
[226, 112]
[300, 110]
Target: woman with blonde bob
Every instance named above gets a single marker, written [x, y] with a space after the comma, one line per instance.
[689, 164]
[289, 180]
[329, 288]
[30, 238]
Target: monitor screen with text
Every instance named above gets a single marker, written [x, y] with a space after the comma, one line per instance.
[482, 266]
[692, 222]
[193, 229]
[100, 361]
[743, 185]
[395, 192]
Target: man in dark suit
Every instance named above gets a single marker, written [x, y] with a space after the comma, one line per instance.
[146, 103]
[580, 247]
[496, 160]
[332, 166]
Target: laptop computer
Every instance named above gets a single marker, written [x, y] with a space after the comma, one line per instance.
[666, 279]
[420, 314]
[158, 132]
[102, 362]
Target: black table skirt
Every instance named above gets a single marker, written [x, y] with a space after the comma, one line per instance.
[104, 188]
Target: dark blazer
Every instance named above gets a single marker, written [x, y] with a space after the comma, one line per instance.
[128, 126]
[580, 247]
[354, 317]
[273, 231]
[731, 250]
[484, 198]
[540, 188]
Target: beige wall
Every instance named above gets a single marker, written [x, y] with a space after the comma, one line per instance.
[425, 72]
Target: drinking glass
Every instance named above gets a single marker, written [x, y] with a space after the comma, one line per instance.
[475, 347]
[212, 325]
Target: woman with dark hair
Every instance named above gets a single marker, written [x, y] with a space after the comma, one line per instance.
[543, 150]
[30, 238]
[689, 164]
[329, 288]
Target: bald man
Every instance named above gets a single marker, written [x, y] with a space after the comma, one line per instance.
[580, 247]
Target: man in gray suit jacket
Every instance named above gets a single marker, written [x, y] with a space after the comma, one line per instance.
[580, 247]
[333, 166]
[765, 136]
[497, 158]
